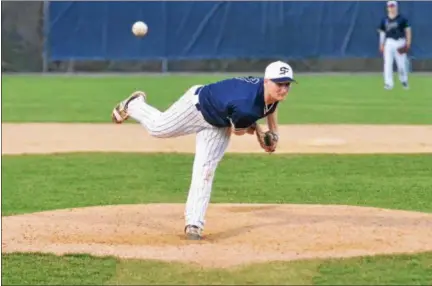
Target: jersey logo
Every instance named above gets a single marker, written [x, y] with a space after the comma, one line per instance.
[391, 25]
[283, 70]
[249, 79]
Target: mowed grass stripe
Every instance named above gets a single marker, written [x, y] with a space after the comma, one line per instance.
[46, 182]
[413, 269]
[47, 269]
[317, 99]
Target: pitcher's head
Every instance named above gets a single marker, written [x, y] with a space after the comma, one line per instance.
[278, 77]
[392, 7]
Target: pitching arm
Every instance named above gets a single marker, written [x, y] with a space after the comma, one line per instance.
[242, 125]
[241, 122]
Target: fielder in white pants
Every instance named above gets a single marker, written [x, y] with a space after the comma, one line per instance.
[395, 33]
[214, 112]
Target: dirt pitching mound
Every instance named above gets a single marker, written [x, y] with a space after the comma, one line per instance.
[235, 233]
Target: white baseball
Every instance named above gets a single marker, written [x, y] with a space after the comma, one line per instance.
[139, 29]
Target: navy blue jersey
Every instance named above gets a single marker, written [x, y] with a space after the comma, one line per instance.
[394, 28]
[238, 100]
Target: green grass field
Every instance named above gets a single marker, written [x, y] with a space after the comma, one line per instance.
[316, 99]
[47, 182]
[86, 270]
[32, 183]
[77, 180]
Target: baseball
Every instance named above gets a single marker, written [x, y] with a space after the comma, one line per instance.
[139, 29]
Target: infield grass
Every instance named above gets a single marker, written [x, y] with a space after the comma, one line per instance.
[41, 182]
[85, 270]
[37, 182]
[316, 99]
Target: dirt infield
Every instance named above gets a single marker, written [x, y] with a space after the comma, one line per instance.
[236, 234]
[54, 138]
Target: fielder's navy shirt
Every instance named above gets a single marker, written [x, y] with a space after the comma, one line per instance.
[238, 100]
[394, 28]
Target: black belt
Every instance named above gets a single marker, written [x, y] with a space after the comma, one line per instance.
[197, 91]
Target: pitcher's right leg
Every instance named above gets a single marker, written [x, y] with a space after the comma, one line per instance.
[388, 64]
[120, 114]
[181, 118]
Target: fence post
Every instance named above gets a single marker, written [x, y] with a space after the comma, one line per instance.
[164, 65]
[45, 15]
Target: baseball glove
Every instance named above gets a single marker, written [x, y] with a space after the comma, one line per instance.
[268, 140]
[403, 50]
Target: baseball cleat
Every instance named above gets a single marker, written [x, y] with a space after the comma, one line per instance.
[193, 232]
[119, 114]
[405, 85]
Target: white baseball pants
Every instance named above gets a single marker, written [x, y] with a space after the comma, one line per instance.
[390, 55]
[183, 118]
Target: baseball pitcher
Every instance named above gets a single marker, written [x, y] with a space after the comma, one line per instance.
[214, 112]
[395, 42]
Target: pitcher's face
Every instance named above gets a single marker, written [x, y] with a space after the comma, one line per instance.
[392, 9]
[277, 91]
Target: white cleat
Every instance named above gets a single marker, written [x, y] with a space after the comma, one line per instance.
[193, 232]
[119, 113]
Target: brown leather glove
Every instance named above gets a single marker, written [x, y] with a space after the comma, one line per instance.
[403, 50]
[268, 140]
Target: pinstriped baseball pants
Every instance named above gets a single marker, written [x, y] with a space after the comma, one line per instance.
[183, 118]
[390, 55]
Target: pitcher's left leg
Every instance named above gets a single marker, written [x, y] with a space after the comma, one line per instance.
[211, 144]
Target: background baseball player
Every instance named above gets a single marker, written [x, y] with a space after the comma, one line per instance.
[395, 41]
[213, 112]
